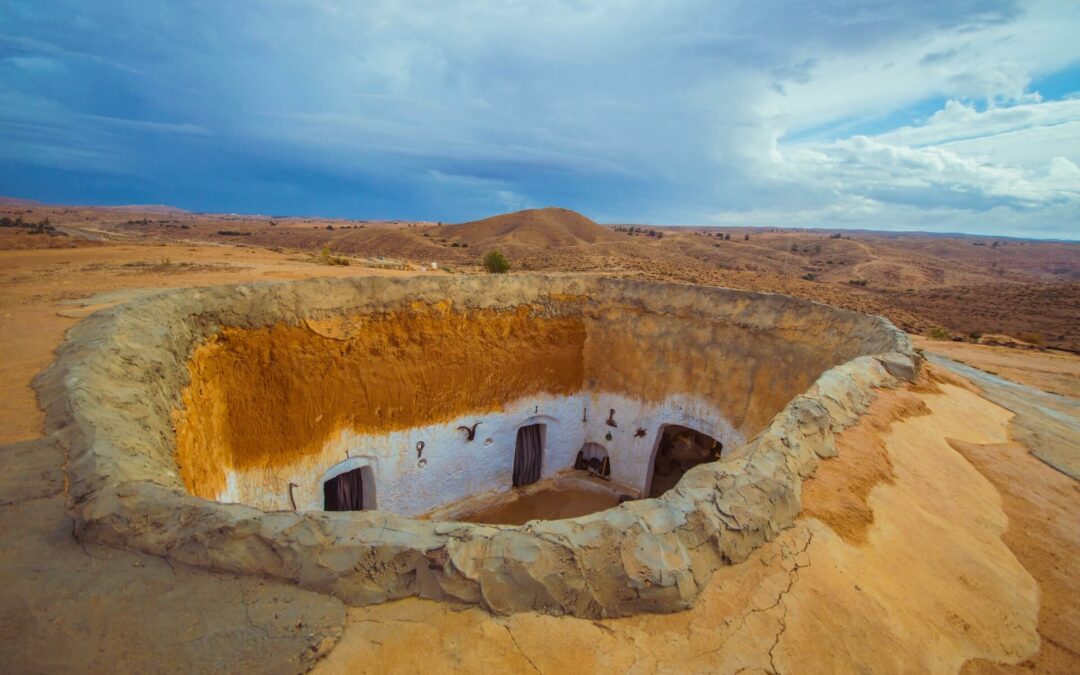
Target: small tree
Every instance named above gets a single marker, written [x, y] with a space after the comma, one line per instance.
[496, 263]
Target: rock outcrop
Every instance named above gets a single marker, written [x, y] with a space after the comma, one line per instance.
[111, 394]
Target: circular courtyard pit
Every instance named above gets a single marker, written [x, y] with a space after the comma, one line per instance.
[340, 433]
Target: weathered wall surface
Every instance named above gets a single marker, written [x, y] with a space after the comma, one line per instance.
[632, 455]
[267, 397]
[111, 393]
[453, 467]
[747, 357]
[284, 404]
[448, 469]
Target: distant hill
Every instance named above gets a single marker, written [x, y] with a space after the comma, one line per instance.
[550, 227]
[15, 201]
[160, 209]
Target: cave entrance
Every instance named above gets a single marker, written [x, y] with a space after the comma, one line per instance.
[528, 454]
[345, 492]
[679, 449]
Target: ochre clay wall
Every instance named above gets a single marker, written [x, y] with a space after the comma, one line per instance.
[267, 397]
[268, 406]
[748, 373]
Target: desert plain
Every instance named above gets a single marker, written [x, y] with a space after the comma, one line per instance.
[944, 537]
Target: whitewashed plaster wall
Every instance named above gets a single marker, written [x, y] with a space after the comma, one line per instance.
[631, 455]
[450, 468]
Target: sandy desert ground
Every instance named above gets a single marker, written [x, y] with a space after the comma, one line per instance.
[962, 285]
[942, 539]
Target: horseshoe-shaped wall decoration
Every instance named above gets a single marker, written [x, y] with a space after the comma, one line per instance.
[470, 432]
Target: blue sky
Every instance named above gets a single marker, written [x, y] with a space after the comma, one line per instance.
[933, 115]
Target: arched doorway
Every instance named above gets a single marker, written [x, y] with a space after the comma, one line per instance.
[529, 454]
[679, 449]
[345, 491]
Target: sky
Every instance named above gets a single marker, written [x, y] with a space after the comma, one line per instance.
[934, 115]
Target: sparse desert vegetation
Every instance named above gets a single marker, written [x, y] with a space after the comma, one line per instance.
[919, 281]
[496, 263]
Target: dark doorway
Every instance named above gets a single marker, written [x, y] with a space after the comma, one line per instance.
[594, 458]
[528, 454]
[678, 450]
[344, 492]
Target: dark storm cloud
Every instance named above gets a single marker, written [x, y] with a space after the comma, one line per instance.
[639, 111]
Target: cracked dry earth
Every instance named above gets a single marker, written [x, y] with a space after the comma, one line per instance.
[909, 574]
[91, 609]
[899, 564]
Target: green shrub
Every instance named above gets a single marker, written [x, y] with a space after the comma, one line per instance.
[327, 258]
[496, 263]
[937, 333]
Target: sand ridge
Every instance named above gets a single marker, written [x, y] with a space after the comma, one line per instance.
[520, 230]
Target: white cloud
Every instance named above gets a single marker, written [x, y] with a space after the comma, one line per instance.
[929, 176]
[958, 122]
[965, 167]
[1055, 221]
[994, 62]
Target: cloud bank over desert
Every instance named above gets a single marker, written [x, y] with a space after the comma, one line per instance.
[929, 115]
